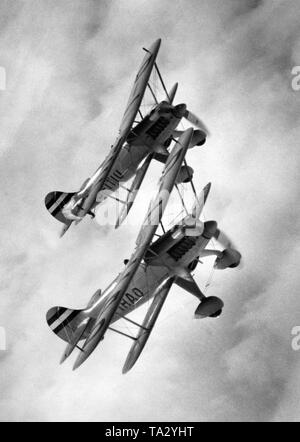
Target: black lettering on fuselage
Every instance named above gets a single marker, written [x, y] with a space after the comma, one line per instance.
[130, 299]
[138, 292]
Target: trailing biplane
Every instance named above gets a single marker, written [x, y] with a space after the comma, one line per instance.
[138, 142]
[153, 268]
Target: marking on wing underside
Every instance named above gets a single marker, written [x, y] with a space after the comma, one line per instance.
[143, 67]
[172, 163]
[131, 103]
[152, 210]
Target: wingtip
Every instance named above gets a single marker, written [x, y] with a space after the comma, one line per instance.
[126, 368]
[207, 187]
[76, 365]
[66, 353]
[63, 358]
[206, 190]
[80, 359]
[64, 229]
[155, 46]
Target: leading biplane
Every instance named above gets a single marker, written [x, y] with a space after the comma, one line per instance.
[151, 271]
[137, 144]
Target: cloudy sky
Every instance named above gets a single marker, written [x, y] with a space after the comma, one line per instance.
[69, 67]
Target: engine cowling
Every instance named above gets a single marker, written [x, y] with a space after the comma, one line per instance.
[210, 307]
[185, 174]
[198, 139]
[229, 258]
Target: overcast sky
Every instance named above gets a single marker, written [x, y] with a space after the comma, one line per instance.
[69, 67]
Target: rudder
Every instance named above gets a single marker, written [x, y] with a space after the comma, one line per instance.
[65, 322]
[55, 202]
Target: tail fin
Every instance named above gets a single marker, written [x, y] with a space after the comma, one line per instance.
[171, 94]
[200, 201]
[65, 322]
[55, 202]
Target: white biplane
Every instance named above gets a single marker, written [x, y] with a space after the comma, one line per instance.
[150, 272]
[137, 144]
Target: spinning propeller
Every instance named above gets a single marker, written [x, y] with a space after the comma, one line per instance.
[193, 119]
[228, 244]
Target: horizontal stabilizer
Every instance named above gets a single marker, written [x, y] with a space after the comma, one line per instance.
[76, 337]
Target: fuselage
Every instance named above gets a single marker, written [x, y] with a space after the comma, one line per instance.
[152, 132]
[170, 256]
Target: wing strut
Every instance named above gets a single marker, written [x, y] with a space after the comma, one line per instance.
[121, 333]
[162, 81]
[152, 93]
[188, 171]
[160, 78]
[181, 199]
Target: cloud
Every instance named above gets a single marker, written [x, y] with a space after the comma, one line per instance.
[69, 68]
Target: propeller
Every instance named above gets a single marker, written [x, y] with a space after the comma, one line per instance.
[192, 118]
[227, 243]
[224, 240]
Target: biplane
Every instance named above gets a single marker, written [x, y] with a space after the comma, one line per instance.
[153, 268]
[138, 142]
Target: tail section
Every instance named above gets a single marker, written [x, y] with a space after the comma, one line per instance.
[71, 325]
[171, 95]
[65, 323]
[55, 202]
[200, 201]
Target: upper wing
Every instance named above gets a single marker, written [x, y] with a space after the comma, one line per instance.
[139, 87]
[153, 218]
[96, 183]
[167, 181]
[132, 193]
